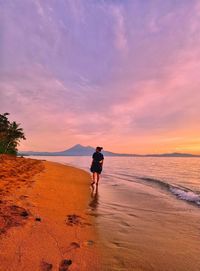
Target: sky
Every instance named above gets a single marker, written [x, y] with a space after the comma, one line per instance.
[122, 74]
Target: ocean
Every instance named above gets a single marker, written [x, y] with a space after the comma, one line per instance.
[147, 212]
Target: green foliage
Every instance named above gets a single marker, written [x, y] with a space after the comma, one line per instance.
[10, 135]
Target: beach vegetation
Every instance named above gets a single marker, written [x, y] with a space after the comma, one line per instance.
[10, 135]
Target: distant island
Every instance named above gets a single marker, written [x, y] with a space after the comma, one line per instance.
[79, 150]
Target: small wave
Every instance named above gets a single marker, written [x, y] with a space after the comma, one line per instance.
[156, 181]
[181, 192]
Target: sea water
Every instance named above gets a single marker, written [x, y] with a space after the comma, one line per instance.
[147, 211]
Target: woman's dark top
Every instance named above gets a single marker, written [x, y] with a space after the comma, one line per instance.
[96, 166]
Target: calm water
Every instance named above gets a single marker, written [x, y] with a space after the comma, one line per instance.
[147, 211]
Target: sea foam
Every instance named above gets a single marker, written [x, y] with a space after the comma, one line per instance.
[186, 195]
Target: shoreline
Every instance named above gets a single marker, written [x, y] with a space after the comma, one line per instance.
[56, 230]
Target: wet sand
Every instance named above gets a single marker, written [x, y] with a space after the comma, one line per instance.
[147, 229]
[44, 218]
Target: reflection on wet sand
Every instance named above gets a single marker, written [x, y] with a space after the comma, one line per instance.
[94, 197]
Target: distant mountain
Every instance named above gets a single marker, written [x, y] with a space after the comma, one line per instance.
[76, 150]
[79, 150]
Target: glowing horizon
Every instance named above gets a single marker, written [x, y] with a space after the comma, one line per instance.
[121, 74]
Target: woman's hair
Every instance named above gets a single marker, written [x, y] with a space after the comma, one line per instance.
[99, 148]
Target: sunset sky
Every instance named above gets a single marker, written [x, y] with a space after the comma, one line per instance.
[121, 74]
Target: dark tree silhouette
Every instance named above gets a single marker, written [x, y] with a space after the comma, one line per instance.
[10, 135]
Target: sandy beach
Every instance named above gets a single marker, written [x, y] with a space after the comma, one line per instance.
[44, 217]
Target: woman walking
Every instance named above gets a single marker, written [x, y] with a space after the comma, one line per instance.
[97, 165]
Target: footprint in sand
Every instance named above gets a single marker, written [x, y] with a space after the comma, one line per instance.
[72, 246]
[23, 197]
[73, 220]
[88, 243]
[46, 266]
[64, 265]
[76, 220]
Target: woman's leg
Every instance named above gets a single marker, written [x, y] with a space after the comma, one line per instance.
[97, 178]
[93, 178]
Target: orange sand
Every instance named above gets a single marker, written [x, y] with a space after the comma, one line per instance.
[55, 229]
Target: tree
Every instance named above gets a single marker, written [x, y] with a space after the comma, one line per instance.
[10, 135]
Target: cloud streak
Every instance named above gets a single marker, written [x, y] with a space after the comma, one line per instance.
[121, 42]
